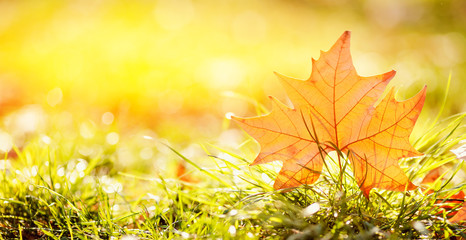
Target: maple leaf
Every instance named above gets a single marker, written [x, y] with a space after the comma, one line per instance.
[335, 108]
[460, 216]
[442, 202]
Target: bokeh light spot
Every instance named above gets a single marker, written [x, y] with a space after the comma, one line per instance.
[146, 153]
[112, 138]
[46, 139]
[82, 165]
[87, 130]
[61, 172]
[107, 118]
[54, 97]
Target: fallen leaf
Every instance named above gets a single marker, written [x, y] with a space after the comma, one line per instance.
[336, 108]
[444, 203]
[432, 176]
[460, 216]
[183, 174]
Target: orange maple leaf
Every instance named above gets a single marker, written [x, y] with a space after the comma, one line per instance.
[443, 203]
[335, 108]
[460, 216]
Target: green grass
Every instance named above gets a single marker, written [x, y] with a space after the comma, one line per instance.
[69, 187]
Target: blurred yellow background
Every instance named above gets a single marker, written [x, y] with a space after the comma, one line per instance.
[178, 66]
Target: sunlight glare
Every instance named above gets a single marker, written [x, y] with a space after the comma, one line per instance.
[228, 115]
[223, 73]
